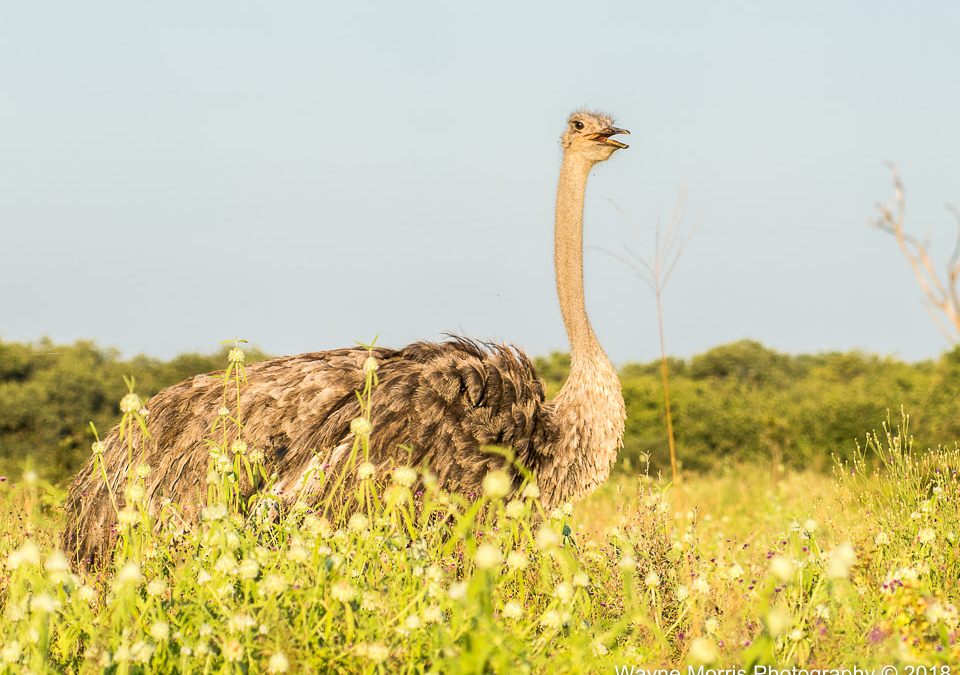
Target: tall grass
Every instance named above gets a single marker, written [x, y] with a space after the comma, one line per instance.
[396, 575]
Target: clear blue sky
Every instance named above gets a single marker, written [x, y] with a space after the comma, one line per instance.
[309, 174]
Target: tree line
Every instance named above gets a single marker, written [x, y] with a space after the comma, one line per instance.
[736, 403]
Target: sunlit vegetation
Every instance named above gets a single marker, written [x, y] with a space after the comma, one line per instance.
[748, 562]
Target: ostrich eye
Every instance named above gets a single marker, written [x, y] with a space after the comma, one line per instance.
[578, 126]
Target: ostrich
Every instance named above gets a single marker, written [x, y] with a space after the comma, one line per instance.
[441, 401]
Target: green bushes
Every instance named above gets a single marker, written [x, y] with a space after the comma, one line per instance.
[50, 393]
[736, 403]
[743, 402]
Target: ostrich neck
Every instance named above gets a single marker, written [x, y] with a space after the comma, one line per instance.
[568, 257]
[589, 408]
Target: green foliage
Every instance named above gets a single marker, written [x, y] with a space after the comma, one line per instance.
[738, 402]
[733, 570]
[49, 395]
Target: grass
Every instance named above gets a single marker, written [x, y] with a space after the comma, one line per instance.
[786, 569]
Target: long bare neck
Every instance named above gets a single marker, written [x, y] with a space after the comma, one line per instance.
[589, 408]
[568, 257]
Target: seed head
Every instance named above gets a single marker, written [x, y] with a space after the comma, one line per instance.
[343, 592]
[361, 426]
[487, 557]
[703, 650]
[278, 664]
[496, 484]
[130, 403]
[404, 476]
[160, 631]
[782, 568]
[512, 610]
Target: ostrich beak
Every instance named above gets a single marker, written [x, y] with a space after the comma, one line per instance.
[604, 137]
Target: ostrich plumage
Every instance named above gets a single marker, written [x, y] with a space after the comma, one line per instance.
[437, 404]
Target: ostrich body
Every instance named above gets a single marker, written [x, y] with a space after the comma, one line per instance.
[441, 401]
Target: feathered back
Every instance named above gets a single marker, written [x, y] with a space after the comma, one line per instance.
[436, 404]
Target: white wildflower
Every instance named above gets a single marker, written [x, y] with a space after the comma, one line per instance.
[810, 526]
[159, 631]
[517, 560]
[564, 592]
[703, 650]
[841, 559]
[515, 509]
[682, 593]
[531, 491]
[156, 587]
[98, 448]
[433, 614]
[248, 568]
[513, 610]
[581, 580]
[927, 535]
[226, 564]
[551, 620]
[235, 355]
[134, 493]
[274, 584]
[457, 591]
[238, 447]
[366, 471]
[377, 652]
[143, 470]
[87, 593]
[130, 403]
[404, 476]
[27, 554]
[778, 621]
[487, 557]
[361, 426]
[358, 523]
[232, 650]
[547, 538]
[652, 580]
[278, 664]
[129, 573]
[10, 652]
[782, 568]
[343, 592]
[497, 484]
[42, 603]
[240, 622]
[711, 625]
[882, 539]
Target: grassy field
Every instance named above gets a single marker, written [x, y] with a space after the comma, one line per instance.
[752, 566]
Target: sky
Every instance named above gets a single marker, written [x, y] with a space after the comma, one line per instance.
[307, 175]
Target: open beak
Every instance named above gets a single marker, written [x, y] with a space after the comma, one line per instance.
[604, 137]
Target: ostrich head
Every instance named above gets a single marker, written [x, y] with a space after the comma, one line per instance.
[589, 133]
